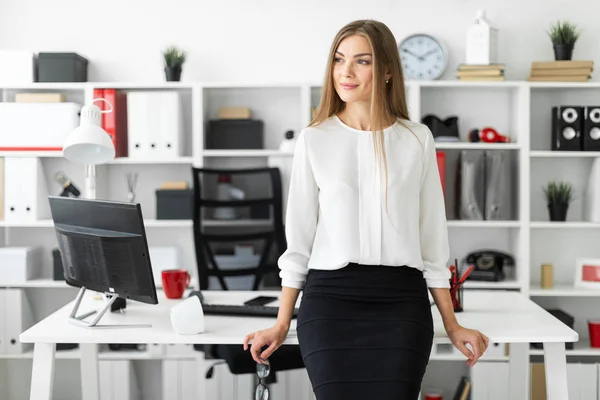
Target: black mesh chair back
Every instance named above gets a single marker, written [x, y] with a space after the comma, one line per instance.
[261, 206]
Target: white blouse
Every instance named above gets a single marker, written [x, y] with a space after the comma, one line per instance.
[336, 204]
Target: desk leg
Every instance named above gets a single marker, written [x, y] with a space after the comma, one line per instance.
[518, 371]
[90, 388]
[555, 365]
[42, 373]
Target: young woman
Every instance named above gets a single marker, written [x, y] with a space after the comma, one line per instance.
[366, 232]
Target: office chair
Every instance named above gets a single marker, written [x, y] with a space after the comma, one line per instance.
[264, 206]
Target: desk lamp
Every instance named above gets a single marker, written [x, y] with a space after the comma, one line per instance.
[90, 145]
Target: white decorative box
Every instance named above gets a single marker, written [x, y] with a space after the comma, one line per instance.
[17, 66]
[20, 264]
[37, 126]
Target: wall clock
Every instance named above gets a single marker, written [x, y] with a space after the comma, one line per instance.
[423, 57]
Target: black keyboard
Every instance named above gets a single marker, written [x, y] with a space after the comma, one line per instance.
[242, 310]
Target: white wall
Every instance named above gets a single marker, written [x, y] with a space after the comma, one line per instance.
[272, 40]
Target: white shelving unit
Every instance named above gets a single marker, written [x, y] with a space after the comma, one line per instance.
[518, 109]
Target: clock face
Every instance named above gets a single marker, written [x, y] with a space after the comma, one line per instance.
[423, 57]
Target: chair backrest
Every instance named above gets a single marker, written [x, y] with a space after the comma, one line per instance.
[258, 200]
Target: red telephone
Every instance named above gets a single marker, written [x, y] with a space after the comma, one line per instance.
[488, 135]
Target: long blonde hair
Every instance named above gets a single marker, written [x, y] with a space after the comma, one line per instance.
[388, 100]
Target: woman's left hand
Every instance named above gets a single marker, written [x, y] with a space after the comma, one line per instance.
[460, 336]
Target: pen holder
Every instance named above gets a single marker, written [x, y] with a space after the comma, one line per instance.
[456, 294]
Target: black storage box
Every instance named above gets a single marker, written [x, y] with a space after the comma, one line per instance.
[62, 67]
[235, 134]
[174, 203]
[58, 274]
[563, 317]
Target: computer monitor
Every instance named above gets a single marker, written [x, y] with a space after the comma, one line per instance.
[103, 248]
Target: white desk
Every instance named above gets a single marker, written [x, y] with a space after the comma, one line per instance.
[505, 317]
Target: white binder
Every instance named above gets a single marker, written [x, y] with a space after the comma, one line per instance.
[3, 322]
[181, 380]
[19, 318]
[37, 126]
[582, 380]
[25, 190]
[118, 380]
[154, 125]
[592, 193]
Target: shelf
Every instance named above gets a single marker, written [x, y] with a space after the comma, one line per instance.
[41, 283]
[451, 83]
[75, 354]
[178, 160]
[153, 223]
[563, 154]
[476, 146]
[45, 85]
[245, 153]
[501, 285]
[563, 85]
[564, 225]
[563, 290]
[581, 348]
[148, 223]
[41, 154]
[482, 224]
[237, 222]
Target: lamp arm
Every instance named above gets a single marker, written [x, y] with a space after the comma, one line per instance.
[90, 181]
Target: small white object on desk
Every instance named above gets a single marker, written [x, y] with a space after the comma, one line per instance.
[187, 317]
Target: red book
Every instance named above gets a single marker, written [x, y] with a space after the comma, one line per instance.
[441, 162]
[99, 94]
[115, 122]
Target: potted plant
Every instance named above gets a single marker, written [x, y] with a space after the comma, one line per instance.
[174, 59]
[563, 36]
[559, 195]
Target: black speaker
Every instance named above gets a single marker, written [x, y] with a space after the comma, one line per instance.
[591, 128]
[567, 124]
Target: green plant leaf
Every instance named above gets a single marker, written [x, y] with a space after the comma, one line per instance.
[564, 33]
[173, 57]
[558, 193]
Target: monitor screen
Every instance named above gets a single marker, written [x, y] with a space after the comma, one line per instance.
[103, 247]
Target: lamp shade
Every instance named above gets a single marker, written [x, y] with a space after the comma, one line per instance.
[89, 143]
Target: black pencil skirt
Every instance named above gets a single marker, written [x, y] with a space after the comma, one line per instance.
[365, 332]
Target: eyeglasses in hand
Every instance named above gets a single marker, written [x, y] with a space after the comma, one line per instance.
[262, 391]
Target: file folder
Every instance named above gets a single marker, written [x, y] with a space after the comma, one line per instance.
[25, 190]
[154, 125]
[3, 322]
[471, 181]
[498, 196]
[19, 318]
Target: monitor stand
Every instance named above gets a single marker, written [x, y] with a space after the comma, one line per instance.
[79, 319]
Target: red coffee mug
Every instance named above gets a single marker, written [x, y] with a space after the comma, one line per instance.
[175, 281]
[433, 395]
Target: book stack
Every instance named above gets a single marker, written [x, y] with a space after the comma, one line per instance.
[561, 71]
[484, 72]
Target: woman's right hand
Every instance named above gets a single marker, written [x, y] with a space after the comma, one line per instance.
[272, 337]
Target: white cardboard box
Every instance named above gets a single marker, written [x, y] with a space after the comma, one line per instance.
[20, 264]
[17, 66]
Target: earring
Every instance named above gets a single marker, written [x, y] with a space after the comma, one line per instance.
[387, 80]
